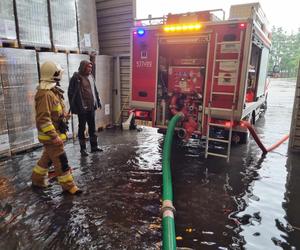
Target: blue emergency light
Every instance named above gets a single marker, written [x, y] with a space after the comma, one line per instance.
[140, 31]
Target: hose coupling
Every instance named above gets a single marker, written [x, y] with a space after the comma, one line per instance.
[167, 208]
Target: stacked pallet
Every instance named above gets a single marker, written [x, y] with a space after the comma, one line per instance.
[4, 142]
[19, 80]
[33, 24]
[87, 25]
[63, 24]
[7, 23]
[41, 25]
[49, 25]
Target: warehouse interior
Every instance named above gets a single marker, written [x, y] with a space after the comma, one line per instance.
[65, 31]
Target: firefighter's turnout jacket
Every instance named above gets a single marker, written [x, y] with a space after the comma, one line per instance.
[49, 108]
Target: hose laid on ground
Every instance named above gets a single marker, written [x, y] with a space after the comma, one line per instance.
[277, 144]
[168, 224]
[258, 141]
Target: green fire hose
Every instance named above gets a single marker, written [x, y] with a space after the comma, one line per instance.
[168, 224]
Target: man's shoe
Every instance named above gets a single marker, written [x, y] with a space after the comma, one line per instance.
[96, 149]
[94, 144]
[84, 152]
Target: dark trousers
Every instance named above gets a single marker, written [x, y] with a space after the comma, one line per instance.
[89, 118]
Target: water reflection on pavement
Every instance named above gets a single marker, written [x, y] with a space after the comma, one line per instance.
[250, 203]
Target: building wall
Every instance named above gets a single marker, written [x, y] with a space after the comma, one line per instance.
[294, 142]
[115, 19]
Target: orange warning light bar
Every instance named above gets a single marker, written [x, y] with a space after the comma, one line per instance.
[182, 27]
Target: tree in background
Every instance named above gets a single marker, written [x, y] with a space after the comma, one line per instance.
[285, 52]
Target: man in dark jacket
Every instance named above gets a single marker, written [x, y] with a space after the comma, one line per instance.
[84, 100]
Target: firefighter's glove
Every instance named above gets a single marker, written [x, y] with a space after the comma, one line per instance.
[63, 125]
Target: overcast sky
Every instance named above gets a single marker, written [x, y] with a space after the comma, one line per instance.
[279, 13]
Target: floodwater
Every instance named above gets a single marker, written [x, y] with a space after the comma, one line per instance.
[250, 203]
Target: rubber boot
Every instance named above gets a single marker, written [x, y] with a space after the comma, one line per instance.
[75, 191]
[67, 183]
[94, 145]
[39, 180]
[83, 150]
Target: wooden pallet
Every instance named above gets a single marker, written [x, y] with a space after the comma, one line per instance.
[36, 48]
[5, 154]
[67, 51]
[25, 148]
[89, 53]
[5, 43]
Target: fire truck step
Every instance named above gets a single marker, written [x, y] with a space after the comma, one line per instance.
[227, 60]
[218, 140]
[218, 125]
[222, 93]
[220, 109]
[218, 155]
[217, 77]
[229, 42]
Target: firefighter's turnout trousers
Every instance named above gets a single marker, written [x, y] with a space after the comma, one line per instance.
[49, 110]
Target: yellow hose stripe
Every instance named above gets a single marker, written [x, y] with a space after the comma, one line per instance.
[48, 128]
[57, 108]
[65, 178]
[39, 170]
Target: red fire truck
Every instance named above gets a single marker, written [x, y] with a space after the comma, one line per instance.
[212, 70]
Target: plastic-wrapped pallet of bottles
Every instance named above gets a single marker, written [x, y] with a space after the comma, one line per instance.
[87, 25]
[104, 83]
[63, 23]
[73, 65]
[4, 142]
[33, 23]
[19, 81]
[7, 20]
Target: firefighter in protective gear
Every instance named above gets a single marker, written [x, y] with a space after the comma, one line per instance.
[50, 114]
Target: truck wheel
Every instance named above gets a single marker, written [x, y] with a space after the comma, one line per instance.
[265, 106]
[239, 137]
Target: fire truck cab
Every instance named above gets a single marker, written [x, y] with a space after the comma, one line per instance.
[212, 70]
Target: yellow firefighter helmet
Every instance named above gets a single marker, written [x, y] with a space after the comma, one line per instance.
[51, 72]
